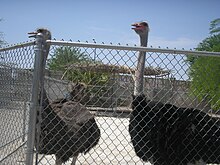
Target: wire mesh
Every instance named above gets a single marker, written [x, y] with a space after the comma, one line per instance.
[87, 106]
[15, 82]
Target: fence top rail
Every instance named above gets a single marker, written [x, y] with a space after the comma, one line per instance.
[16, 46]
[132, 48]
[118, 47]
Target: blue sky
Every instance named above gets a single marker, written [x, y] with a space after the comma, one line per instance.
[173, 23]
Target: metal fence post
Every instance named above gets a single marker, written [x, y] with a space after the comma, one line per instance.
[37, 78]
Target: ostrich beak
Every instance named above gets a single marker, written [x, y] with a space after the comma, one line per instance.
[32, 34]
[136, 26]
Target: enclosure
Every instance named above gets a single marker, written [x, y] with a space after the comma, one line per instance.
[108, 72]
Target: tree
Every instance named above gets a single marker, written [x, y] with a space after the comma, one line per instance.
[215, 26]
[204, 71]
[64, 57]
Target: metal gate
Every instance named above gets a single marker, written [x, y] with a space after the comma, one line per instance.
[107, 73]
[16, 66]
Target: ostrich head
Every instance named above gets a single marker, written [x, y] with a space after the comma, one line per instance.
[46, 36]
[77, 91]
[142, 29]
[45, 33]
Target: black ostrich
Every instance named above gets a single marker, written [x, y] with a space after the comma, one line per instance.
[65, 127]
[168, 135]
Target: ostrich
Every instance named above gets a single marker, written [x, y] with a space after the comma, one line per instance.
[80, 132]
[65, 127]
[164, 134]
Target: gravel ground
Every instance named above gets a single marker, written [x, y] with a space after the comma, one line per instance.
[114, 147]
[12, 135]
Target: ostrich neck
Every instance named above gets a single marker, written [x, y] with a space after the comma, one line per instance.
[45, 53]
[139, 74]
[144, 40]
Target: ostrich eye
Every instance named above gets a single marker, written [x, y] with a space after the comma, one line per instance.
[40, 30]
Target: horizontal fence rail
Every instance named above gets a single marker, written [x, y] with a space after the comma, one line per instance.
[119, 47]
[132, 48]
[17, 46]
[87, 113]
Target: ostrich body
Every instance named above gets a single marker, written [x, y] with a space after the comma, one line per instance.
[142, 29]
[164, 134]
[168, 135]
[75, 130]
[64, 127]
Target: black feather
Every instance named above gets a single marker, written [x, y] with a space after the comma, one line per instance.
[168, 135]
[57, 135]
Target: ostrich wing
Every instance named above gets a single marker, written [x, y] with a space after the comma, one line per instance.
[72, 113]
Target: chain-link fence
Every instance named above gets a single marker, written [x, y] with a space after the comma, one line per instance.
[86, 106]
[16, 65]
